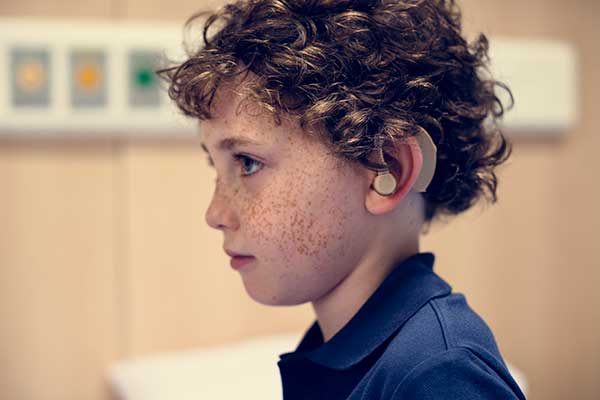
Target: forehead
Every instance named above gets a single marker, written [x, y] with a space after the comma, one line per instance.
[237, 119]
[229, 142]
[235, 115]
[228, 133]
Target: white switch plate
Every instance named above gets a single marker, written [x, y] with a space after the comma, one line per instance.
[542, 75]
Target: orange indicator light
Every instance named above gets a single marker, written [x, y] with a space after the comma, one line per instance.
[88, 77]
[31, 75]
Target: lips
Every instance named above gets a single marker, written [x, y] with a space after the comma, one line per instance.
[232, 253]
[240, 263]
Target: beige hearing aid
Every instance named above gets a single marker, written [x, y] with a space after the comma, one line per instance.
[385, 184]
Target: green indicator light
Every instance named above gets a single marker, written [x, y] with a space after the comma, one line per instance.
[144, 88]
[144, 77]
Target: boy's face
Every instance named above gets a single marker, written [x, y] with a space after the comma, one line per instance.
[300, 211]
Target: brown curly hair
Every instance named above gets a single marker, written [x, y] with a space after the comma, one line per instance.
[357, 68]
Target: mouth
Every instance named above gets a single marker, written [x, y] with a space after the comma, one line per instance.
[241, 261]
[234, 254]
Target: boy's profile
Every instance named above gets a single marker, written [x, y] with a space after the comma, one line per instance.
[339, 130]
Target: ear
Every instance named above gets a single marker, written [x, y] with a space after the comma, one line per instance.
[405, 162]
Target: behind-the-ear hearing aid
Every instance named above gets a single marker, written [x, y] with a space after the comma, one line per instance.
[385, 183]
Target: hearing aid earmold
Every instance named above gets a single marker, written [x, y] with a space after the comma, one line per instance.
[385, 183]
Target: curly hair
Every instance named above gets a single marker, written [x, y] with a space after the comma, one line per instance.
[357, 68]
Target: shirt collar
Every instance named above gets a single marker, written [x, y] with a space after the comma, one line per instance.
[410, 285]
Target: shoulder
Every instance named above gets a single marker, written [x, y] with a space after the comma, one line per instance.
[445, 346]
[456, 373]
[461, 325]
[442, 324]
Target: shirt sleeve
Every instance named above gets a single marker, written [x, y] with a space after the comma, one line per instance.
[457, 374]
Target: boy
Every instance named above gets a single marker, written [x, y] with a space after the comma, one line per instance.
[339, 130]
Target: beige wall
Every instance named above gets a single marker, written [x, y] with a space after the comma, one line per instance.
[104, 252]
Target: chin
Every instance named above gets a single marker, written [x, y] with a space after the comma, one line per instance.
[273, 299]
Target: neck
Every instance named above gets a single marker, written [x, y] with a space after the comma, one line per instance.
[339, 305]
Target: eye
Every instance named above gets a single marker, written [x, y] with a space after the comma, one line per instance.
[244, 159]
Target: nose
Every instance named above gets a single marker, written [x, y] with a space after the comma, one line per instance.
[219, 214]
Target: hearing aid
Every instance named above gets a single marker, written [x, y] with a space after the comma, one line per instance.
[385, 183]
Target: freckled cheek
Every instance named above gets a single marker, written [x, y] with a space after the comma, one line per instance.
[300, 228]
[334, 215]
[260, 217]
[274, 220]
[290, 221]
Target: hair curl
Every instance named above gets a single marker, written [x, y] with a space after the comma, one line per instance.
[357, 68]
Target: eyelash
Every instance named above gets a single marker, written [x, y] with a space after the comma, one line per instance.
[238, 158]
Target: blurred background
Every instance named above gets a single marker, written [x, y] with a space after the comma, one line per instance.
[105, 254]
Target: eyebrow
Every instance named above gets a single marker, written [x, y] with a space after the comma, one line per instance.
[229, 142]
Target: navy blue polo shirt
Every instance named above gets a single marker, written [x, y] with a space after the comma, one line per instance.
[412, 339]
